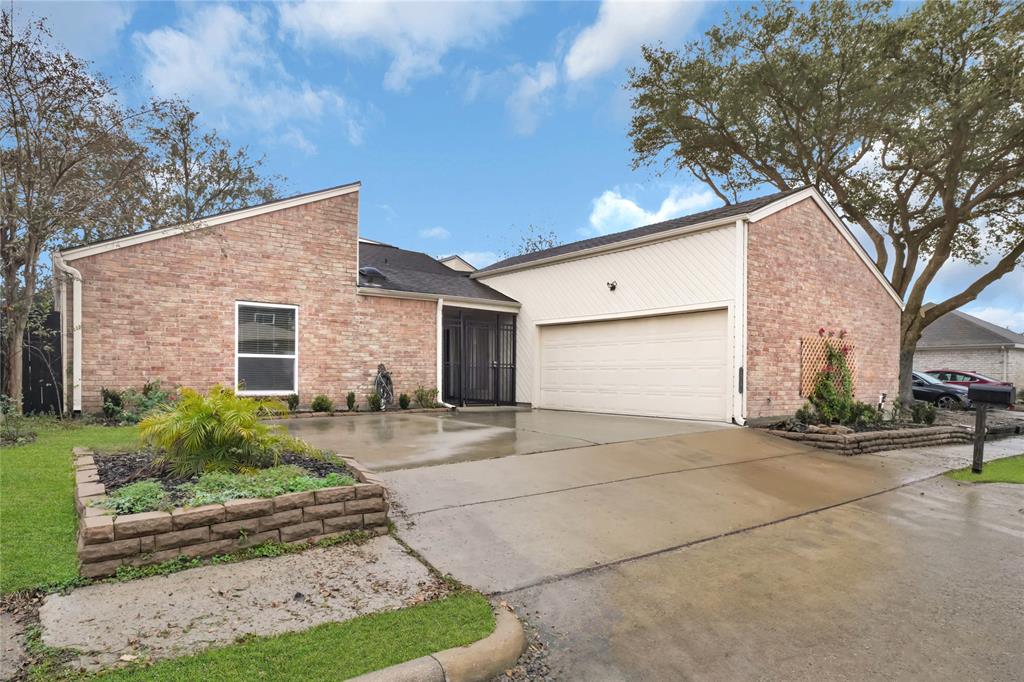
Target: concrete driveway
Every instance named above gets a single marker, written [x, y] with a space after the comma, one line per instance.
[657, 549]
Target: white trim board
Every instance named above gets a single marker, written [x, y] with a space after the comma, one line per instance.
[454, 301]
[295, 356]
[160, 233]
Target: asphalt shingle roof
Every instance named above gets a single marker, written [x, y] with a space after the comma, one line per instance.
[693, 219]
[417, 272]
[960, 329]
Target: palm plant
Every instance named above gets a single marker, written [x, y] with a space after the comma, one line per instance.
[219, 431]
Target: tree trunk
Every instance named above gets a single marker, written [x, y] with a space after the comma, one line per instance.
[910, 334]
[15, 347]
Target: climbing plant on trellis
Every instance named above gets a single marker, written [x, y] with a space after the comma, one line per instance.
[813, 359]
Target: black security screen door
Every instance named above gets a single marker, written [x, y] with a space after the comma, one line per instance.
[479, 357]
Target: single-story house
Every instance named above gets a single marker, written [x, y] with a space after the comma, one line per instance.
[961, 341]
[708, 316]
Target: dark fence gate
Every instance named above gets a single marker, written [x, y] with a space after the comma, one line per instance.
[41, 383]
[479, 357]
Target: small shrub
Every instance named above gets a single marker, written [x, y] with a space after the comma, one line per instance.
[426, 397]
[130, 406]
[137, 497]
[293, 402]
[923, 413]
[350, 401]
[15, 428]
[806, 414]
[219, 486]
[374, 401]
[220, 431]
[403, 401]
[111, 402]
[322, 403]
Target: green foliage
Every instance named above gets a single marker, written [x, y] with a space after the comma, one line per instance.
[426, 397]
[350, 401]
[130, 406]
[293, 402]
[137, 497]
[1006, 470]
[374, 401]
[220, 431]
[220, 486]
[403, 401]
[832, 400]
[923, 412]
[322, 403]
[15, 428]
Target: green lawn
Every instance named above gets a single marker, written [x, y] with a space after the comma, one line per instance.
[1007, 470]
[334, 651]
[37, 509]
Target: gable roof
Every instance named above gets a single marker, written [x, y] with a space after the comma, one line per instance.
[957, 328]
[415, 272]
[457, 262]
[751, 210]
[114, 243]
[721, 213]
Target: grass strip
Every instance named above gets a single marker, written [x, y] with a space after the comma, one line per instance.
[1006, 470]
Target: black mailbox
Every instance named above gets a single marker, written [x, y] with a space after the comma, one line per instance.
[993, 394]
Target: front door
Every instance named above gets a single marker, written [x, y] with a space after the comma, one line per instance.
[478, 356]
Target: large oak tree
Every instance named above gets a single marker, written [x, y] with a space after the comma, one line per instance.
[911, 123]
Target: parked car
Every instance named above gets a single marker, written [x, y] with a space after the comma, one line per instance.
[946, 396]
[961, 378]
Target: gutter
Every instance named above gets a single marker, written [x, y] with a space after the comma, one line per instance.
[479, 303]
[76, 329]
[439, 355]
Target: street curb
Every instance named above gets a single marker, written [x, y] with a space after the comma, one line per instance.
[478, 662]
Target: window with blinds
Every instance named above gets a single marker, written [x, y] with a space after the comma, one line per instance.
[266, 355]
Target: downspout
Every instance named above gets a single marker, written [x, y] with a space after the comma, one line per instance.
[439, 362]
[76, 332]
[739, 361]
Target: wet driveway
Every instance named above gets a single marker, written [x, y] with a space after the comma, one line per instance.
[386, 442]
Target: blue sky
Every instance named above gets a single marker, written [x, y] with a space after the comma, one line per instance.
[466, 122]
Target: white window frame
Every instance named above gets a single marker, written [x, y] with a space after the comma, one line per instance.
[294, 356]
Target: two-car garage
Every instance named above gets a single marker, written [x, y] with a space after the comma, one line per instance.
[662, 365]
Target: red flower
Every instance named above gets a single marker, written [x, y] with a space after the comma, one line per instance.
[821, 331]
[846, 349]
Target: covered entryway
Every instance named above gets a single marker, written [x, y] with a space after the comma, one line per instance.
[478, 357]
[664, 366]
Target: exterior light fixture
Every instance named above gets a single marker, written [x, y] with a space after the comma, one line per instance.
[612, 285]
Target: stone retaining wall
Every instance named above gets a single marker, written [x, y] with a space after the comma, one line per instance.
[874, 441]
[106, 542]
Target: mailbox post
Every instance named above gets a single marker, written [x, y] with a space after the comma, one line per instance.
[984, 395]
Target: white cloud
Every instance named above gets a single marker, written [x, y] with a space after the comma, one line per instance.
[478, 259]
[529, 98]
[435, 233]
[295, 138]
[416, 35]
[223, 60]
[621, 28]
[87, 29]
[613, 212]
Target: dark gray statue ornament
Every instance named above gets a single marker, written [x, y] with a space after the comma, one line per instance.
[385, 389]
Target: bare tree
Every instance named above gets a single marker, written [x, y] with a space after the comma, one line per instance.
[531, 240]
[912, 123]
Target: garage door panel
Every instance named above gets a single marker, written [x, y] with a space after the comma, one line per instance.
[673, 366]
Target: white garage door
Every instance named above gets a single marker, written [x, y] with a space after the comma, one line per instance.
[665, 366]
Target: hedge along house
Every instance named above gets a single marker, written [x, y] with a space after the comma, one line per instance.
[711, 316]
[275, 299]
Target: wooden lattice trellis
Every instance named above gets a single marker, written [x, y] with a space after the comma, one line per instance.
[812, 360]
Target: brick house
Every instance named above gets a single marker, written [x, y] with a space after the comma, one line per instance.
[699, 317]
[958, 341]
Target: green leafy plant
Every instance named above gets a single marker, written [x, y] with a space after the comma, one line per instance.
[293, 402]
[141, 496]
[403, 401]
[923, 413]
[111, 402]
[130, 405]
[15, 429]
[219, 431]
[425, 397]
[322, 403]
[220, 486]
[374, 401]
[832, 401]
[350, 401]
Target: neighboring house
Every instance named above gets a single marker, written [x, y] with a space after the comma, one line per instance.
[458, 263]
[700, 317]
[961, 341]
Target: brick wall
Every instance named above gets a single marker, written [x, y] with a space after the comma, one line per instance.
[994, 362]
[803, 275]
[165, 309]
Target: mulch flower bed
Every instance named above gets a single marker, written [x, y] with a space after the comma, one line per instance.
[118, 470]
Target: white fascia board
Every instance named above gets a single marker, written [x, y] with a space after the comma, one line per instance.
[605, 248]
[975, 346]
[458, 301]
[812, 193]
[143, 237]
